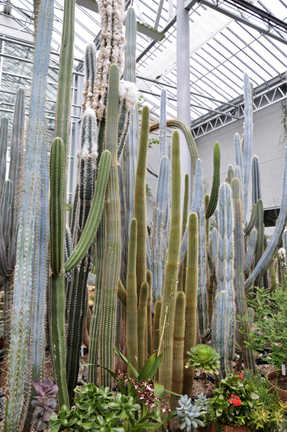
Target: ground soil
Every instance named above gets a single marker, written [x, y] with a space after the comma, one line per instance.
[280, 381]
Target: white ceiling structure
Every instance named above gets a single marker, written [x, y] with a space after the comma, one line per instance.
[226, 39]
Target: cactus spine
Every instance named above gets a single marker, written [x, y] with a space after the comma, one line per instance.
[171, 267]
[191, 299]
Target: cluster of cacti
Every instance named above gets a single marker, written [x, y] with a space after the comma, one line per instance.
[194, 276]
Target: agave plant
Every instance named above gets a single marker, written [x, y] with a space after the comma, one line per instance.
[44, 404]
[204, 357]
[190, 415]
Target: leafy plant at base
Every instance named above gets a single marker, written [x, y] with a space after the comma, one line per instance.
[97, 409]
[204, 357]
[44, 403]
[234, 402]
[270, 325]
[269, 414]
[191, 416]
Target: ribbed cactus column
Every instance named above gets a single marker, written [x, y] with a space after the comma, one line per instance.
[112, 257]
[140, 199]
[29, 202]
[142, 325]
[181, 272]
[131, 297]
[240, 298]
[191, 299]
[156, 329]
[215, 182]
[267, 256]
[171, 268]
[3, 151]
[256, 185]
[223, 328]
[178, 347]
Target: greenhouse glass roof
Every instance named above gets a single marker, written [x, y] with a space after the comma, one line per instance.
[228, 38]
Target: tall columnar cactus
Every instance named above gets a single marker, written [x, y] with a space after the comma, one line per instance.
[249, 257]
[260, 229]
[142, 325]
[171, 267]
[162, 126]
[182, 268]
[112, 256]
[223, 328]
[3, 150]
[178, 347]
[149, 313]
[191, 299]
[140, 199]
[160, 212]
[10, 203]
[131, 297]
[248, 140]
[156, 328]
[256, 185]
[267, 256]
[239, 247]
[215, 183]
[28, 211]
[131, 148]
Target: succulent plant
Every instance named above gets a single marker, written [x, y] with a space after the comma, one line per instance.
[204, 357]
[190, 415]
[44, 404]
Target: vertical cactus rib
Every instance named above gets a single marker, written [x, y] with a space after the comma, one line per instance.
[26, 240]
[215, 182]
[238, 154]
[171, 267]
[95, 214]
[63, 105]
[57, 286]
[142, 324]
[260, 229]
[140, 198]
[252, 221]
[256, 185]
[162, 125]
[131, 297]
[223, 328]
[191, 287]
[3, 151]
[178, 347]
[249, 257]
[156, 329]
[160, 212]
[267, 256]
[248, 140]
[182, 269]
[240, 299]
[112, 256]
[149, 313]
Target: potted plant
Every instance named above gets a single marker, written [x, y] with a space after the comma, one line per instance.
[270, 331]
[204, 358]
[232, 405]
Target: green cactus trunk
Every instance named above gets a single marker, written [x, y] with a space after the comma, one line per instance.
[178, 348]
[191, 299]
[171, 267]
[142, 325]
[131, 297]
[140, 199]
[182, 269]
[156, 328]
[149, 313]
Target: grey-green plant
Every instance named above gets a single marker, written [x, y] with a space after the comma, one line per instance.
[191, 415]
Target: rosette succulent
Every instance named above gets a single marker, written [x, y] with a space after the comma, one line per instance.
[191, 415]
[204, 357]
